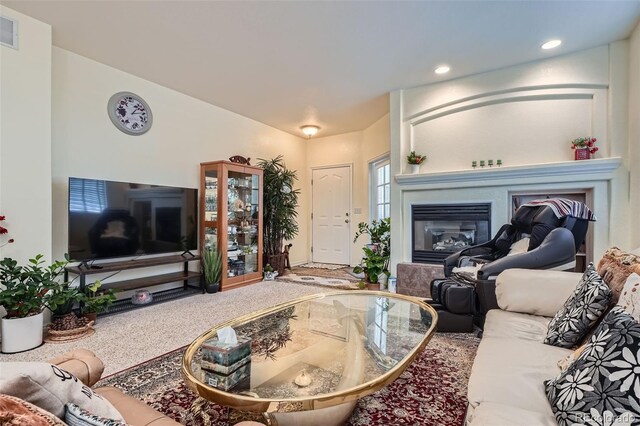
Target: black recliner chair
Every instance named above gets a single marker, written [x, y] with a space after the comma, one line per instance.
[556, 229]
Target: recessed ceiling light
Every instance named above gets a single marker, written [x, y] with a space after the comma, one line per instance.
[442, 69]
[551, 44]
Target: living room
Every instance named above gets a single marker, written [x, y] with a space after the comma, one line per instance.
[55, 89]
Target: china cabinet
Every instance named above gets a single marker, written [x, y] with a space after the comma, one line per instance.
[231, 219]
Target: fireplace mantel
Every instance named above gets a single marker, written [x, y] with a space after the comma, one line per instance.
[596, 169]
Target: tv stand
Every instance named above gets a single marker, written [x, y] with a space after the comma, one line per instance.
[147, 282]
[187, 252]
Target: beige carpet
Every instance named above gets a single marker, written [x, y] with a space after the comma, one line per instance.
[127, 339]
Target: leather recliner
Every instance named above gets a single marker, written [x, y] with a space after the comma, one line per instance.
[553, 243]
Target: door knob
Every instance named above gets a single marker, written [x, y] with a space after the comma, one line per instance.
[346, 221]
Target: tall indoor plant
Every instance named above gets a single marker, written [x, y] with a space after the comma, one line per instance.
[279, 214]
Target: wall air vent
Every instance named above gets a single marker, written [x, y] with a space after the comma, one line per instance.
[8, 32]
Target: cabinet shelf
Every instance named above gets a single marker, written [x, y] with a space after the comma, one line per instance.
[131, 264]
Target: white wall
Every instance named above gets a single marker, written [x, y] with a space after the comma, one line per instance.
[634, 134]
[356, 149]
[25, 139]
[185, 132]
[525, 115]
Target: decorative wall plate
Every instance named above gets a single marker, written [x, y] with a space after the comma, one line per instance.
[130, 113]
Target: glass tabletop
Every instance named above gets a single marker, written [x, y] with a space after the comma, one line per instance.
[318, 351]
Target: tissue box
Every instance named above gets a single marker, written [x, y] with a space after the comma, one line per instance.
[225, 354]
[238, 379]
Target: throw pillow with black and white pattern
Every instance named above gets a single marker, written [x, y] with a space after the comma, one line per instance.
[580, 312]
[602, 386]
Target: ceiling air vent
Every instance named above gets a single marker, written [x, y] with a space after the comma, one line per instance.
[8, 32]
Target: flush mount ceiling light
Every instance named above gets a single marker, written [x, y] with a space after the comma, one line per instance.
[309, 130]
[442, 69]
[551, 44]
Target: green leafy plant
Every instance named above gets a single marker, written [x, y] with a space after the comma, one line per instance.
[378, 252]
[211, 265]
[96, 300]
[414, 158]
[27, 289]
[268, 268]
[280, 205]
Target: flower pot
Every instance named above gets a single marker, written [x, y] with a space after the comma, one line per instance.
[22, 334]
[211, 287]
[582, 154]
[415, 168]
[276, 261]
[373, 286]
[91, 316]
[382, 279]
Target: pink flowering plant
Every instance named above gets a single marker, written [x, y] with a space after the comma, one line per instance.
[4, 231]
[586, 142]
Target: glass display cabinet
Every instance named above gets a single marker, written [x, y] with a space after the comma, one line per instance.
[231, 219]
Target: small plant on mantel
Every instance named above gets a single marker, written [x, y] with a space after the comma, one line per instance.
[586, 142]
[414, 158]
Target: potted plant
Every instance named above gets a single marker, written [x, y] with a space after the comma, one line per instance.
[24, 294]
[280, 210]
[96, 301]
[269, 273]
[584, 147]
[211, 269]
[415, 160]
[375, 263]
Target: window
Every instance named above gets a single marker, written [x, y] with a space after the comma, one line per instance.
[380, 171]
[86, 195]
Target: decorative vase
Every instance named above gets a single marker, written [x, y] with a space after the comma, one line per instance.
[415, 168]
[382, 279]
[22, 334]
[582, 154]
[270, 276]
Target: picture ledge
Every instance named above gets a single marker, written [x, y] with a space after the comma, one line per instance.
[597, 169]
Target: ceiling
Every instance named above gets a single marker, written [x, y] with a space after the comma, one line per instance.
[332, 64]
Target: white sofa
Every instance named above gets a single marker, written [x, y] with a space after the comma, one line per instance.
[506, 384]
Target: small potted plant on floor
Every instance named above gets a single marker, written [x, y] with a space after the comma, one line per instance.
[414, 161]
[24, 294]
[211, 269]
[96, 301]
[375, 263]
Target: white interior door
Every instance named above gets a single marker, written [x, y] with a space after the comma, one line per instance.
[331, 192]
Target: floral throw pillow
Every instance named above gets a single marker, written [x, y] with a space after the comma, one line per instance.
[602, 386]
[580, 312]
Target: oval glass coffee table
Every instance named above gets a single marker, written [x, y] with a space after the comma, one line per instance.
[310, 360]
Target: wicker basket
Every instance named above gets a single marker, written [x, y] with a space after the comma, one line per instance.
[64, 336]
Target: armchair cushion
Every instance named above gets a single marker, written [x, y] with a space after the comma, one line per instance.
[535, 292]
[580, 312]
[50, 388]
[81, 363]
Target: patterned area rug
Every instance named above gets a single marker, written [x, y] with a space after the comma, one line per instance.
[330, 266]
[336, 283]
[430, 392]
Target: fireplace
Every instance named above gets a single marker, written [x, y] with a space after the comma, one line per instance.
[441, 229]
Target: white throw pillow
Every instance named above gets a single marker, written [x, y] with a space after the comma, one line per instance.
[630, 296]
[50, 388]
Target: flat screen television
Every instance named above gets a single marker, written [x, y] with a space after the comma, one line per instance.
[116, 219]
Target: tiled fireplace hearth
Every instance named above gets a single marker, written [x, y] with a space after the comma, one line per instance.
[494, 188]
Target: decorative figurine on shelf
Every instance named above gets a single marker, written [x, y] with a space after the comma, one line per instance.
[240, 159]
